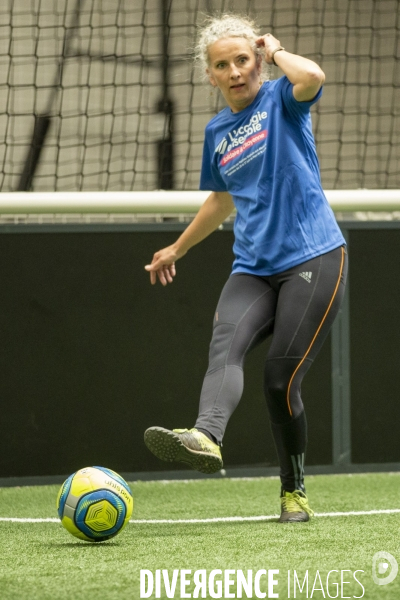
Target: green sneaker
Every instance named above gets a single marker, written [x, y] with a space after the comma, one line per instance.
[184, 445]
[294, 507]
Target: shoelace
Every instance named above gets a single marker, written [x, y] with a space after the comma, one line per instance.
[202, 443]
[293, 502]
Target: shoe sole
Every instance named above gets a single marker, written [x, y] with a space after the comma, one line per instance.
[168, 446]
[300, 517]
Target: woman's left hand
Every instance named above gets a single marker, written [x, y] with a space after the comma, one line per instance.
[269, 43]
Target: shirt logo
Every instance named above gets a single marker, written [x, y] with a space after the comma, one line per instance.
[222, 146]
[237, 137]
[251, 141]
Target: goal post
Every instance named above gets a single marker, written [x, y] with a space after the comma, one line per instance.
[169, 202]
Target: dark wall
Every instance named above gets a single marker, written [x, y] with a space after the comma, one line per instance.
[92, 355]
[375, 345]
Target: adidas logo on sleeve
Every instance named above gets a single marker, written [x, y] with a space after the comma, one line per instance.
[306, 275]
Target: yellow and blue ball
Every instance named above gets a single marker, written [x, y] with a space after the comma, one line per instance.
[94, 504]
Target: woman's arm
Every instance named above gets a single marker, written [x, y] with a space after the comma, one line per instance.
[307, 77]
[212, 213]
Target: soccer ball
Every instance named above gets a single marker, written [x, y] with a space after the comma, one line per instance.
[94, 504]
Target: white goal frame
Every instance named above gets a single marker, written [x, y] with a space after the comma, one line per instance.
[169, 202]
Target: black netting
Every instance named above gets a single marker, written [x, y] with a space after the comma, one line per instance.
[127, 110]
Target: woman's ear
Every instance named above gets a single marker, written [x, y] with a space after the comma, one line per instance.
[211, 78]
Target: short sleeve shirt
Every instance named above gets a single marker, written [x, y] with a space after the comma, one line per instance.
[265, 157]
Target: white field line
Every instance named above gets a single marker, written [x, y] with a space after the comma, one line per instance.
[357, 513]
[259, 478]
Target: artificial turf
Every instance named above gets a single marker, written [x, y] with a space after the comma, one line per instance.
[42, 561]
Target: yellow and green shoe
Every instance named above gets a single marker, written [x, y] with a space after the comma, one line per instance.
[189, 446]
[294, 507]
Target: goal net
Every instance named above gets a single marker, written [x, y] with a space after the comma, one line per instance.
[103, 94]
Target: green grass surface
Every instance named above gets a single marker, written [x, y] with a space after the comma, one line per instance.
[42, 561]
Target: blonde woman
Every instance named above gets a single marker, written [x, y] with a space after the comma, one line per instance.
[290, 264]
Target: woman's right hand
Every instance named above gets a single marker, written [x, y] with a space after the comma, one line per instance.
[217, 207]
[163, 265]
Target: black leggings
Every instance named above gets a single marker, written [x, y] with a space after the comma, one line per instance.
[298, 306]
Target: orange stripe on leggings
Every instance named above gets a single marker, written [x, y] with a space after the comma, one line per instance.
[316, 333]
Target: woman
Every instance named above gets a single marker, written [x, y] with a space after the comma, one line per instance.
[290, 264]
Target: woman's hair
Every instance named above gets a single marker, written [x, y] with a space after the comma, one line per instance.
[226, 26]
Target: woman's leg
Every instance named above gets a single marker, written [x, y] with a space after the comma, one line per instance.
[244, 316]
[309, 297]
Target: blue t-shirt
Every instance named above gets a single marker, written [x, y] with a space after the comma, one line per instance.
[265, 157]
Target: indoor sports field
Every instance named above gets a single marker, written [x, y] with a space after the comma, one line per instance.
[105, 113]
[208, 524]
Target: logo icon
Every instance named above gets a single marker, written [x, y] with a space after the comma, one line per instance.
[383, 563]
[306, 275]
[222, 146]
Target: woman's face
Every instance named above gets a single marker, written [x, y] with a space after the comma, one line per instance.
[235, 70]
